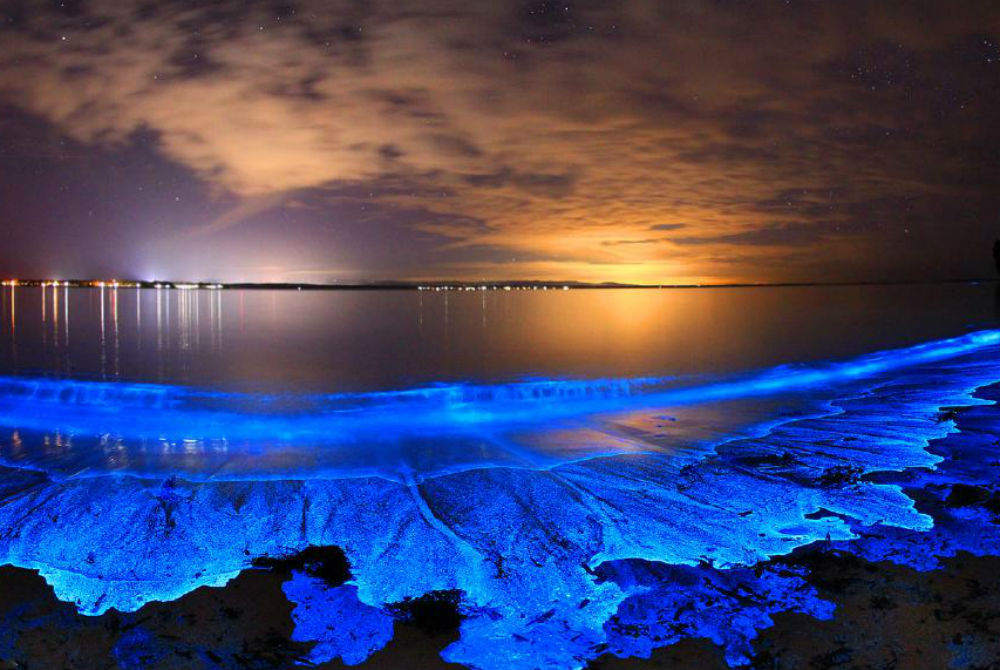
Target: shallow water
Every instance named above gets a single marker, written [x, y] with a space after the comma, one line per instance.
[69, 428]
[358, 341]
[215, 384]
[566, 462]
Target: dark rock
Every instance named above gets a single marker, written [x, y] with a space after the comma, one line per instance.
[434, 613]
[326, 563]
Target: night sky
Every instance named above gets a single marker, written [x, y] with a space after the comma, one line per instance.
[647, 141]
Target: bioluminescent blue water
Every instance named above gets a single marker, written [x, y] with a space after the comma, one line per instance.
[80, 428]
[564, 512]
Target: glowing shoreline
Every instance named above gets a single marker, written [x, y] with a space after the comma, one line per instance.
[552, 565]
[178, 414]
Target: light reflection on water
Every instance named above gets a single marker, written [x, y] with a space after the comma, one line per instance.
[153, 429]
[292, 344]
[555, 565]
[365, 340]
[176, 328]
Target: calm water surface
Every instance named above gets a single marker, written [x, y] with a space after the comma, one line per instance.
[344, 341]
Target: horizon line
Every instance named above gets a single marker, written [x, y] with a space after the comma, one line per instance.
[442, 284]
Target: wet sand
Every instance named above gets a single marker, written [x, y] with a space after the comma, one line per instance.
[886, 615]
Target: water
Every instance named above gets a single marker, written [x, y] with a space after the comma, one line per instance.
[407, 385]
[327, 342]
[580, 466]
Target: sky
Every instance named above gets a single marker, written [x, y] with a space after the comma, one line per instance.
[691, 141]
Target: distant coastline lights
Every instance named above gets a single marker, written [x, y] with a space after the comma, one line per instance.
[106, 283]
[503, 287]
[115, 284]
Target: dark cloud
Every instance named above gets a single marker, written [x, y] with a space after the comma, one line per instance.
[452, 145]
[780, 235]
[505, 138]
[535, 183]
[545, 185]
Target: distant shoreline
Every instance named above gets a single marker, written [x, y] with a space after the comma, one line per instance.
[450, 286]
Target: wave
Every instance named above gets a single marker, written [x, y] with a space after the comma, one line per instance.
[32, 402]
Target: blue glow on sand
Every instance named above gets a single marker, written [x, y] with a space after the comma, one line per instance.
[342, 627]
[556, 565]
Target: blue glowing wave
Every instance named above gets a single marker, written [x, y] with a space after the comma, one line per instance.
[555, 566]
[179, 413]
[151, 430]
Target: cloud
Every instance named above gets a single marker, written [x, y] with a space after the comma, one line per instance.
[566, 130]
[780, 235]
